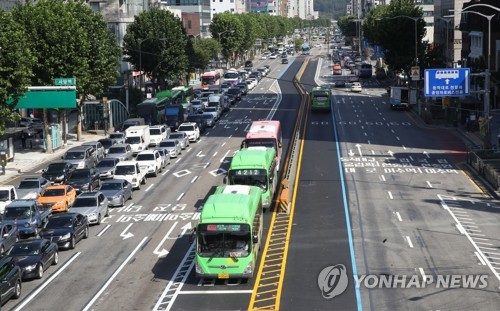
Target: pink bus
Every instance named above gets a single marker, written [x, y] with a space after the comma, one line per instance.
[266, 134]
[210, 78]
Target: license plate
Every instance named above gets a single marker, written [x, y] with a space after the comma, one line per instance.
[223, 276]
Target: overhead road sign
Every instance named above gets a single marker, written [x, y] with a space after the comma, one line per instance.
[447, 82]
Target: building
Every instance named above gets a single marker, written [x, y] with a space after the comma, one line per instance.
[221, 6]
[447, 35]
[427, 7]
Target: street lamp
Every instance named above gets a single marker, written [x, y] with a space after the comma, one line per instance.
[358, 31]
[140, 56]
[447, 53]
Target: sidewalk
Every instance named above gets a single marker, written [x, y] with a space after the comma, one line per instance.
[27, 159]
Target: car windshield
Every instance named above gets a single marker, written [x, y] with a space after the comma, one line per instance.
[106, 163]
[234, 91]
[125, 170]
[107, 143]
[24, 249]
[116, 150]
[78, 174]
[20, 212]
[248, 177]
[59, 222]
[4, 195]
[29, 184]
[55, 168]
[177, 135]
[116, 135]
[154, 131]
[53, 193]
[196, 102]
[84, 202]
[111, 186]
[145, 157]
[167, 144]
[207, 116]
[211, 109]
[73, 155]
[231, 75]
[133, 140]
[185, 128]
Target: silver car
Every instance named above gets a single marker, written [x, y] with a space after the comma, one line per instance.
[214, 111]
[173, 147]
[182, 138]
[209, 118]
[98, 147]
[122, 152]
[106, 167]
[30, 188]
[117, 191]
[118, 137]
[165, 157]
[93, 205]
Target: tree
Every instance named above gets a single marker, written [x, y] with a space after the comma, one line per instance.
[251, 28]
[158, 41]
[69, 40]
[347, 26]
[16, 61]
[205, 49]
[228, 29]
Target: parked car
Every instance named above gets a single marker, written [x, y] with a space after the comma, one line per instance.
[84, 180]
[66, 229]
[93, 205]
[243, 87]
[57, 197]
[81, 157]
[210, 118]
[34, 256]
[182, 138]
[107, 143]
[150, 162]
[10, 279]
[158, 133]
[119, 137]
[191, 129]
[339, 83]
[173, 147]
[273, 56]
[117, 191]
[165, 157]
[122, 152]
[31, 187]
[98, 147]
[9, 236]
[106, 167]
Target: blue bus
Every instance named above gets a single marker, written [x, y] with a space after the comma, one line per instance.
[364, 70]
[305, 49]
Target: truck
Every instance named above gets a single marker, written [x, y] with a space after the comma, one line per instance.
[138, 138]
[402, 97]
[174, 115]
[7, 195]
[27, 215]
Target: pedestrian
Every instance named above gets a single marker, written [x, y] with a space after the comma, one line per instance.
[23, 139]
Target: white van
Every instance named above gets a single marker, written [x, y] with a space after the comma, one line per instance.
[158, 133]
[131, 172]
[138, 138]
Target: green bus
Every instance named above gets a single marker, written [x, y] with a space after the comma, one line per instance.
[255, 166]
[321, 98]
[229, 233]
[153, 109]
[186, 97]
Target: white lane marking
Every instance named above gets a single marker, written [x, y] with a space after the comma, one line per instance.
[392, 131]
[382, 177]
[362, 127]
[180, 197]
[468, 222]
[194, 179]
[390, 195]
[206, 165]
[149, 188]
[409, 241]
[236, 129]
[207, 133]
[225, 155]
[426, 154]
[476, 234]
[215, 153]
[411, 158]
[404, 147]
[482, 247]
[230, 136]
[383, 119]
[460, 229]
[198, 154]
[125, 262]
[46, 283]
[422, 272]
[103, 230]
[484, 243]
[460, 217]
[480, 258]
[223, 144]
[198, 292]
[165, 172]
[429, 184]
[129, 206]
[365, 134]
[178, 160]
[373, 151]
[125, 235]
[397, 137]
[159, 251]
[190, 148]
[369, 143]
[399, 216]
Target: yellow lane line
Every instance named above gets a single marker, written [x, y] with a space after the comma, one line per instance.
[483, 193]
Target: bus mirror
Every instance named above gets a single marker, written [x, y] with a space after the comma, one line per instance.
[279, 145]
[192, 236]
[242, 145]
[255, 239]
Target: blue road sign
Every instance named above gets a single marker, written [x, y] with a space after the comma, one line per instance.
[447, 82]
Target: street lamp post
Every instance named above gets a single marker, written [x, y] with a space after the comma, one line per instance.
[140, 57]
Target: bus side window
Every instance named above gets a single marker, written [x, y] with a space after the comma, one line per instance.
[256, 224]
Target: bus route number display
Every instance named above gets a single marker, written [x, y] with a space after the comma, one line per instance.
[248, 172]
[224, 227]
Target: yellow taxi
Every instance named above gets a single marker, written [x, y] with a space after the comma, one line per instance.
[58, 197]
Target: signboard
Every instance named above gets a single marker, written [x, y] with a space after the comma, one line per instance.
[65, 81]
[48, 99]
[447, 82]
[415, 73]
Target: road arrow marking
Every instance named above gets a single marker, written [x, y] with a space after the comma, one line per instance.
[185, 229]
[160, 251]
[351, 154]
[359, 149]
[390, 153]
[125, 235]
[199, 155]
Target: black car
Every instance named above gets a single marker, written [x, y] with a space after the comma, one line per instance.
[58, 172]
[198, 119]
[339, 83]
[10, 279]
[66, 229]
[84, 180]
[231, 98]
[284, 60]
[248, 63]
[236, 92]
[243, 87]
[34, 256]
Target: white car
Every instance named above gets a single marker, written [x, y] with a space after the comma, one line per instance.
[181, 137]
[130, 171]
[263, 56]
[150, 162]
[356, 87]
[251, 83]
[273, 56]
[165, 157]
[173, 146]
[191, 129]
[158, 133]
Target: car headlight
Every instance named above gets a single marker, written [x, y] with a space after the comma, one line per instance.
[30, 268]
[67, 236]
[199, 270]
[249, 269]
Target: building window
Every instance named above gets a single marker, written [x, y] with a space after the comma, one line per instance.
[95, 6]
[232, 1]
[232, 10]
[189, 24]
[428, 13]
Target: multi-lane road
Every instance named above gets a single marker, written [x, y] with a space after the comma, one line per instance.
[377, 193]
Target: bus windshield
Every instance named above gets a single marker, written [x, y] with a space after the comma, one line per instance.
[249, 177]
[261, 142]
[224, 240]
[208, 80]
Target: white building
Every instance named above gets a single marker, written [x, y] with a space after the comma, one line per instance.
[221, 6]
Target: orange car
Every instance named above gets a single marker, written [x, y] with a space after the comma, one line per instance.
[337, 70]
[59, 197]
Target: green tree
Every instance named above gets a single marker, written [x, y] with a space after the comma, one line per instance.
[205, 49]
[251, 28]
[228, 29]
[158, 41]
[347, 25]
[16, 61]
[69, 40]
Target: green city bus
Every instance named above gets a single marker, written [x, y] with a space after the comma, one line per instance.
[153, 109]
[229, 233]
[321, 98]
[255, 166]
[187, 93]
